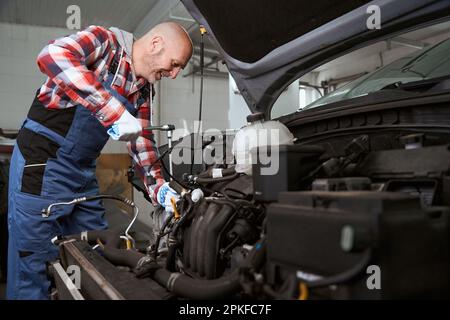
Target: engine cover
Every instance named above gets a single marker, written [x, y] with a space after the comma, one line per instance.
[327, 233]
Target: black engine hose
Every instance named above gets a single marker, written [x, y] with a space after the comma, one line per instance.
[225, 286]
[111, 242]
[225, 172]
[173, 242]
[160, 235]
[215, 180]
[107, 196]
[171, 253]
[187, 287]
[257, 256]
[344, 276]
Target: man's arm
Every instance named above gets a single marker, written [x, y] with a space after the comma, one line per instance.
[144, 154]
[65, 61]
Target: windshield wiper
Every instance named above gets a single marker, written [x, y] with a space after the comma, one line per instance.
[435, 84]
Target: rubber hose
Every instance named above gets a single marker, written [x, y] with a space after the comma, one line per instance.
[225, 172]
[111, 241]
[187, 287]
[215, 180]
[173, 243]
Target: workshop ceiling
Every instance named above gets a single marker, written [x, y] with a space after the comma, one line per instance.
[52, 13]
[132, 16]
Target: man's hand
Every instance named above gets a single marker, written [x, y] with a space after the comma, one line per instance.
[125, 128]
[164, 196]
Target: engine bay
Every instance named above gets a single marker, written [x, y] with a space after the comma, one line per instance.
[345, 217]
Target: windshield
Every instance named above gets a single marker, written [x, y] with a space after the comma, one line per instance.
[428, 63]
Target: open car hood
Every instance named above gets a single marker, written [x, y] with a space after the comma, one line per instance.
[268, 44]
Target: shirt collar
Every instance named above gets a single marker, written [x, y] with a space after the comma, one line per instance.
[126, 40]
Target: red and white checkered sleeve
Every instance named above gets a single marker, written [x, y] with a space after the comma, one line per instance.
[144, 153]
[65, 61]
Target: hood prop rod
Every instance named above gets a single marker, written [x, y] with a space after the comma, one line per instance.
[202, 67]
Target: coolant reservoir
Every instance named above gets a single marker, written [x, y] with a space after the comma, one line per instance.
[258, 133]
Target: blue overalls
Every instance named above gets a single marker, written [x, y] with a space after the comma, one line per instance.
[68, 173]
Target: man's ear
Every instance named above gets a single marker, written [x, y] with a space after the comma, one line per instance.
[156, 44]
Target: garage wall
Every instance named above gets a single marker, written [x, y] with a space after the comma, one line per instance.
[19, 74]
[177, 102]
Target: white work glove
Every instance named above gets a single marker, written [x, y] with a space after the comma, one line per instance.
[164, 196]
[126, 128]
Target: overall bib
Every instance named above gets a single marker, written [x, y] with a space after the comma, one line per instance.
[54, 160]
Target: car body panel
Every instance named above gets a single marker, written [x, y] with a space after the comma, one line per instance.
[261, 82]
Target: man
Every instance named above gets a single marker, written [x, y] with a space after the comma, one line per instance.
[99, 85]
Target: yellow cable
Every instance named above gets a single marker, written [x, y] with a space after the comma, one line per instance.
[100, 243]
[175, 210]
[129, 245]
[303, 289]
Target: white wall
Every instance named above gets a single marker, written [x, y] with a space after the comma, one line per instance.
[177, 102]
[19, 74]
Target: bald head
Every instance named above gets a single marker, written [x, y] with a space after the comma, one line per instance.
[162, 52]
[171, 31]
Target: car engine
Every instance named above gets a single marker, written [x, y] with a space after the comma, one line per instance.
[363, 215]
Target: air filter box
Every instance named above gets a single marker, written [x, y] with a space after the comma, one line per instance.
[282, 169]
[327, 233]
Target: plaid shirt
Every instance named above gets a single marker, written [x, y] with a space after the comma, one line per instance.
[76, 66]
